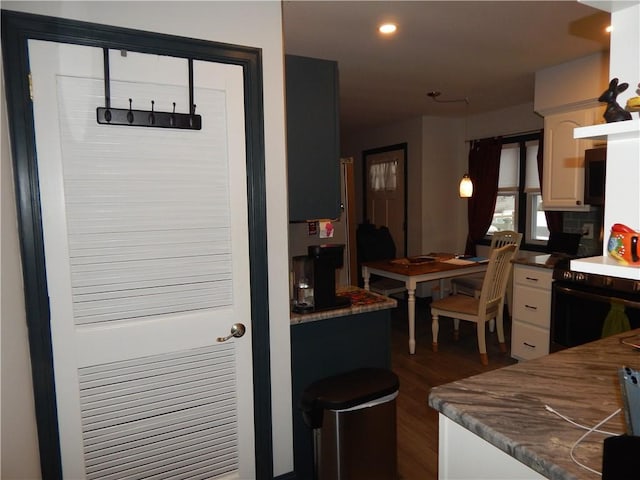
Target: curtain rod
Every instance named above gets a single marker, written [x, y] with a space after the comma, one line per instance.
[506, 137]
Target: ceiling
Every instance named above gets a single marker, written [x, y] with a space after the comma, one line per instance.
[486, 51]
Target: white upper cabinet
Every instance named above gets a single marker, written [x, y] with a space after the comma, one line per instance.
[563, 173]
[566, 96]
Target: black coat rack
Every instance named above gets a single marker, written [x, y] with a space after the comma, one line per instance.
[146, 118]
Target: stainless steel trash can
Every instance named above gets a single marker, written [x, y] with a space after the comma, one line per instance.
[353, 417]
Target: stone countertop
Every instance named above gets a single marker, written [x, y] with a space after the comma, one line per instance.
[534, 259]
[362, 301]
[506, 407]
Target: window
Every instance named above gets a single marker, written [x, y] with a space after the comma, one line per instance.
[519, 202]
[383, 176]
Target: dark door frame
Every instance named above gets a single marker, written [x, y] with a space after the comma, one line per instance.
[17, 29]
[375, 151]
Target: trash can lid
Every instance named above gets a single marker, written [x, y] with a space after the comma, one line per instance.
[349, 389]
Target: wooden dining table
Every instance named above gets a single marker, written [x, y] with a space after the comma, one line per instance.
[411, 271]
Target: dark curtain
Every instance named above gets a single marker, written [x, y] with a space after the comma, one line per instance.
[554, 219]
[484, 169]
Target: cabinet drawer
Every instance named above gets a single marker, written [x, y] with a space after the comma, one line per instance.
[528, 342]
[533, 277]
[532, 305]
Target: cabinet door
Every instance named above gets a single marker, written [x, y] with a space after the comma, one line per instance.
[563, 174]
[312, 138]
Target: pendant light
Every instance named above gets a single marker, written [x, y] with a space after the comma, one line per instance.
[466, 186]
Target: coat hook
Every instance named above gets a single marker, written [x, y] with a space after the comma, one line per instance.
[108, 115]
[172, 120]
[130, 113]
[152, 117]
[191, 117]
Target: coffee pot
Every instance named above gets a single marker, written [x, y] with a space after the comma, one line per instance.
[314, 279]
[302, 284]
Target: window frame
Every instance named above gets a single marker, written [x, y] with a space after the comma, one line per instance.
[523, 198]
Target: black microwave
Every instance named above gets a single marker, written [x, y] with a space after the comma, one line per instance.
[595, 167]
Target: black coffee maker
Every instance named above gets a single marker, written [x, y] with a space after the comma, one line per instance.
[314, 282]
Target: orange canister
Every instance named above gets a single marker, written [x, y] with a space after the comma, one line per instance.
[623, 244]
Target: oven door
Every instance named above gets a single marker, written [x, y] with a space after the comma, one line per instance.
[578, 313]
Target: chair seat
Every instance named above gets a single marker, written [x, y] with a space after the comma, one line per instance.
[457, 304]
[461, 306]
[469, 282]
[387, 286]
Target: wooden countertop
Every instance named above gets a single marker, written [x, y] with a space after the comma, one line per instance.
[361, 301]
[506, 407]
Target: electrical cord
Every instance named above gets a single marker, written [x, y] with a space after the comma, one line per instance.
[584, 427]
[589, 430]
[584, 436]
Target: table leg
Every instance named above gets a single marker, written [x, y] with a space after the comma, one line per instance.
[411, 307]
[365, 277]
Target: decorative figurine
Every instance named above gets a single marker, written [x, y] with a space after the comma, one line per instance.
[614, 112]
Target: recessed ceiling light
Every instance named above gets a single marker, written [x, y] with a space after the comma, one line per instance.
[387, 28]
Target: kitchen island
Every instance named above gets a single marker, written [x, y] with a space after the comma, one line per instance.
[497, 426]
[331, 342]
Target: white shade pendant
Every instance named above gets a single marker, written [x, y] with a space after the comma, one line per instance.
[466, 187]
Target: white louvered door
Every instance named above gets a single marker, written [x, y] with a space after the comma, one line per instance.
[146, 248]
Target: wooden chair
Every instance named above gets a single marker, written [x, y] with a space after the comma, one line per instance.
[490, 304]
[472, 284]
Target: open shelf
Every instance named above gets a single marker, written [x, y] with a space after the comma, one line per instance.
[609, 5]
[605, 265]
[627, 130]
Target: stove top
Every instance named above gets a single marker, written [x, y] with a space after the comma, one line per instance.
[563, 273]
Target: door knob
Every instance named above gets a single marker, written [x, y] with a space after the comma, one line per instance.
[237, 330]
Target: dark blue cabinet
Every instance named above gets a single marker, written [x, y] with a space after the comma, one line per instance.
[313, 146]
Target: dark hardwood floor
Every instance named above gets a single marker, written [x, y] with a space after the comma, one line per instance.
[418, 373]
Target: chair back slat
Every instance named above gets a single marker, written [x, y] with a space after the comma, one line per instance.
[495, 280]
[505, 237]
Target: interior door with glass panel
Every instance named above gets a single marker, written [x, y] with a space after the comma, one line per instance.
[147, 264]
[385, 192]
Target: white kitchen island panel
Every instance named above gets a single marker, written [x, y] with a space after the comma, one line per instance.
[463, 455]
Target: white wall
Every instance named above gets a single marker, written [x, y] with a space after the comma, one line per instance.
[20, 457]
[255, 24]
[572, 85]
[507, 121]
[444, 161]
[623, 169]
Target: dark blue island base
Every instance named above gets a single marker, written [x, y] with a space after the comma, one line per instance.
[330, 346]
